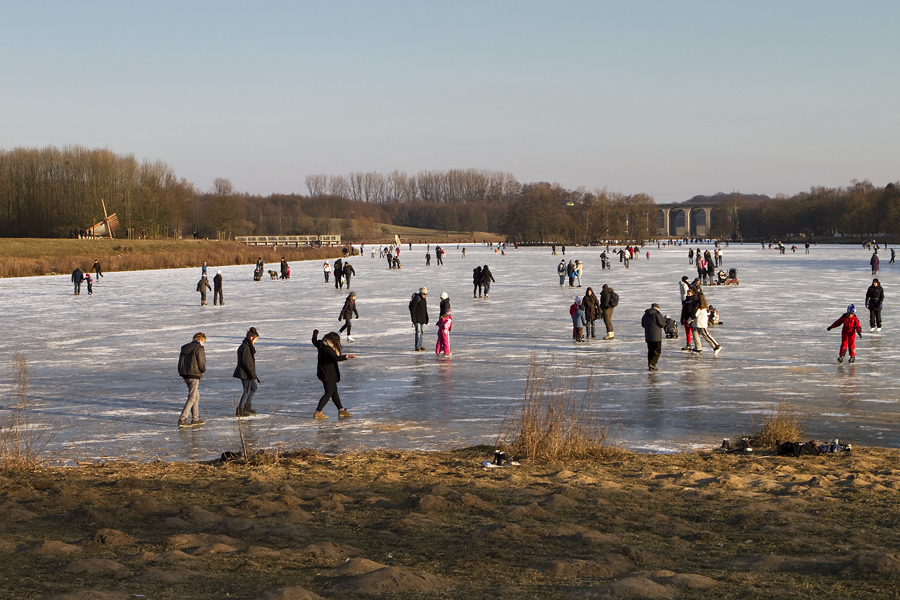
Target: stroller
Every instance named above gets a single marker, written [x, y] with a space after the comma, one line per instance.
[722, 278]
[671, 328]
[732, 278]
[257, 274]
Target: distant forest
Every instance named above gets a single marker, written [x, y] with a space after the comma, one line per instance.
[55, 192]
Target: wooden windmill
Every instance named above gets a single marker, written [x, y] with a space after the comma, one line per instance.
[107, 226]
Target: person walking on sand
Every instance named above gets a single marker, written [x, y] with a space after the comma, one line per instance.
[98, 271]
[487, 278]
[653, 323]
[202, 286]
[77, 278]
[326, 269]
[246, 372]
[874, 300]
[444, 325]
[218, 296]
[561, 271]
[848, 333]
[874, 262]
[191, 367]
[347, 314]
[418, 312]
[328, 372]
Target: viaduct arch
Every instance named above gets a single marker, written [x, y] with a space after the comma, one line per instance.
[684, 220]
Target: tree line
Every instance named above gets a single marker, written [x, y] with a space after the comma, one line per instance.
[51, 192]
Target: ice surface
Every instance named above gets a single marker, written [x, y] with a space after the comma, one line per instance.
[104, 366]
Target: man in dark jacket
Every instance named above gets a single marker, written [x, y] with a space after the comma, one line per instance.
[202, 286]
[97, 269]
[246, 372]
[487, 278]
[606, 310]
[218, 297]
[348, 272]
[418, 312]
[77, 278]
[337, 271]
[191, 367]
[874, 300]
[653, 323]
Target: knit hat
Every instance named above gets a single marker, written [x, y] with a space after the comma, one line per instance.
[423, 290]
[577, 299]
[851, 309]
[444, 295]
[219, 272]
[353, 294]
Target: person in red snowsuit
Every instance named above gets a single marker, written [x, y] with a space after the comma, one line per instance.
[848, 333]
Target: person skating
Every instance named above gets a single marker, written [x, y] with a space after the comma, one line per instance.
[609, 300]
[683, 287]
[202, 286]
[476, 280]
[348, 273]
[97, 269]
[191, 367]
[203, 270]
[328, 372]
[428, 259]
[579, 270]
[700, 326]
[874, 301]
[285, 269]
[246, 372]
[592, 312]
[439, 255]
[487, 278]
[347, 313]
[573, 308]
[418, 312]
[444, 325]
[688, 308]
[890, 262]
[653, 323]
[218, 296]
[90, 284]
[77, 278]
[561, 271]
[874, 262]
[445, 303]
[326, 269]
[848, 332]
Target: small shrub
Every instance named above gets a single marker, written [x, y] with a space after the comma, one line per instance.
[782, 424]
[553, 421]
[21, 438]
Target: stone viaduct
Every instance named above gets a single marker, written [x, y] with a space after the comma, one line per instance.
[684, 220]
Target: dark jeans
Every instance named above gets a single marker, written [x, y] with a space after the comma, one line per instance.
[331, 393]
[874, 317]
[654, 350]
[247, 396]
[218, 297]
[589, 329]
[345, 326]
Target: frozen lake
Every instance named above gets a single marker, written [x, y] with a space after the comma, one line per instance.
[104, 366]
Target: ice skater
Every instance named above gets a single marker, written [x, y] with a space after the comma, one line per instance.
[285, 269]
[347, 314]
[874, 300]
[328, 372]
[90, 284]
[418, 313]
[445, 303]
[202, 286]
[444, 325]
[218, 296]
[246, 372]
[700, 326]
[848, 333]
[874, 262]
[578, 320]
[561, 271]
[191, 367]
[97, 269]
[77, 278]
[326, 269]
[487, 278]
[653, 323]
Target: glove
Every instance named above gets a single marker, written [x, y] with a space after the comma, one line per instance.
[258, 380]
[828, 329]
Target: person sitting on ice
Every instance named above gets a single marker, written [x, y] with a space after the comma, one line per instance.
[671, 328]
[848, 333]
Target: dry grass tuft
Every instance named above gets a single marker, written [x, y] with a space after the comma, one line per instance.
[782, 424]
[553, 421]
[21, 438]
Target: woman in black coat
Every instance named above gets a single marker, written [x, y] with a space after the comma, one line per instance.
[591, 306]
[328, 372]
[246, 372]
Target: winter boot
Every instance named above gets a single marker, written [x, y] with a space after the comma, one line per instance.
[249, 409]
[319, 415]
[344, 414]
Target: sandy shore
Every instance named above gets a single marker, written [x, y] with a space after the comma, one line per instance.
[411, 525]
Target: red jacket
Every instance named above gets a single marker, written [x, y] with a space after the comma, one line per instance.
[851, 323]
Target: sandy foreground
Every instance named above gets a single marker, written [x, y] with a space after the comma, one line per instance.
[412, 525]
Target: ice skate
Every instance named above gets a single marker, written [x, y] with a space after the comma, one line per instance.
[878, 329]
[350, 339]
[841, 358]
[717, 350]
[872, 330]
[852, 359]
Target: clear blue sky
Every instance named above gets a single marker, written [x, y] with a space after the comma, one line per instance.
[667, 98]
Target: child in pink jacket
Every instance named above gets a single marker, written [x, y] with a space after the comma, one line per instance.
[444, 324]
[848, 333]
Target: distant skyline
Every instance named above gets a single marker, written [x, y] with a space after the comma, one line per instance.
[671, 99]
